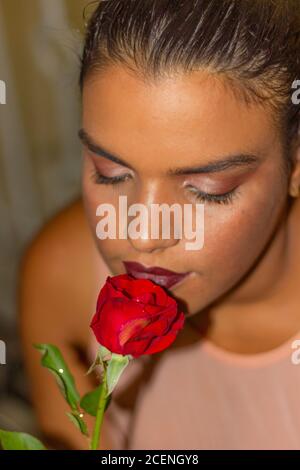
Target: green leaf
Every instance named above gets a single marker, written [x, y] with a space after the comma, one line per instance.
[104, 353]
[19, 441]
[102, 357]
[115, 368]
[77, 420]
[53, 360]
[97, 363]
[90, 401]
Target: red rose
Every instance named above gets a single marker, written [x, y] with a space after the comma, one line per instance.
[135, 316]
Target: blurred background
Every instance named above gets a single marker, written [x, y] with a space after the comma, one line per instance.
[40, 155]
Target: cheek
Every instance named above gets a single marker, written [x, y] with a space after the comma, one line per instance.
[235, 240]
[93, 195]
[89, 194]
[236, 234]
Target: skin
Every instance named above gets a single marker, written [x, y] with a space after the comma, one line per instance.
[243, 283]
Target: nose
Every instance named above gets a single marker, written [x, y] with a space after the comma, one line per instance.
[151, 222]
[146, 244]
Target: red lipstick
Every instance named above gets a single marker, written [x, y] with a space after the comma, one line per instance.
[161, 276]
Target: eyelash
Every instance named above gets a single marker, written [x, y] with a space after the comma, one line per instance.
[225, 198]
[101, 179]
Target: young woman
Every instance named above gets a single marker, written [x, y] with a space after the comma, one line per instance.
[184, 102]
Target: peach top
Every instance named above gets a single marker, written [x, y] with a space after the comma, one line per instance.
[195, 395]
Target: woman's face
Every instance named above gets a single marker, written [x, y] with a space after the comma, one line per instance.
[185, 122]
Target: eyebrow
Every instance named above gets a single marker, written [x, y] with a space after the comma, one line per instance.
[216, 165]
[99, 150]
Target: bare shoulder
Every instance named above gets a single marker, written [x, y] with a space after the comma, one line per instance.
[64, 232]
[56, 275]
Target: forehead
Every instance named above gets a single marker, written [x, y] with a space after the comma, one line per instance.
[180, 118]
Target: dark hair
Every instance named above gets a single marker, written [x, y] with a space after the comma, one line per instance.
[253, 44]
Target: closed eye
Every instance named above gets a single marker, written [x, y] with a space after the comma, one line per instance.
[225, 198]
[101, 179]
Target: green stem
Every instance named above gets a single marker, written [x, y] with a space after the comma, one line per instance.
[100, 413]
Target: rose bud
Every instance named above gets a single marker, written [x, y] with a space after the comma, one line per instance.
[135, 317]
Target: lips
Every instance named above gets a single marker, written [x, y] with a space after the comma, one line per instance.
[161, 276]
